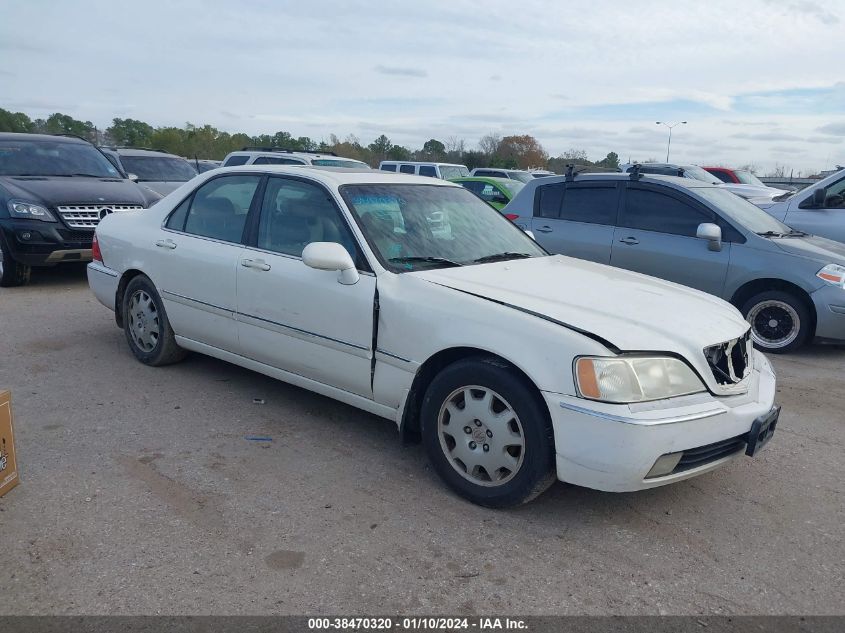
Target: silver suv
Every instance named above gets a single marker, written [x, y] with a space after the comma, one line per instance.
[789, 285]
[155, 169]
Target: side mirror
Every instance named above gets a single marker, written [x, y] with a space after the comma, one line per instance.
[331, 256]
[712, 233]
[132, 177]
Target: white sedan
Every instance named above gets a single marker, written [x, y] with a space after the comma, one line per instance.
[410, 298]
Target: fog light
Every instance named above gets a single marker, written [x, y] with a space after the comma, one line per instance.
[664, 465]
[26, 235]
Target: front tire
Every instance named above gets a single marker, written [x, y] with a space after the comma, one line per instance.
[145, 324]
[780, 321]
[12, 273]
[487, 433]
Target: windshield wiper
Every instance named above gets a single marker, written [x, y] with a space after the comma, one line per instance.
[500, 256]
[771, 234]
[424, 260]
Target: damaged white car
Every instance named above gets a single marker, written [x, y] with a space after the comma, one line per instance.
[410, 298]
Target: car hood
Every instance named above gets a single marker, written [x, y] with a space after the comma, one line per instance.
[813, 247]
[628, 311]
[752, 191]
[162, 188]
[75, 190]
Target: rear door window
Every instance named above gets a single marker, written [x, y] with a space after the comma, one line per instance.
[428, 170]
[407, 169]
[234, 161]
[594, 203]
[651, 210]
[548, 201]
[388, 168]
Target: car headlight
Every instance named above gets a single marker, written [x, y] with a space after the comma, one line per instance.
[30, 211]
[833, 274]
[634, 379]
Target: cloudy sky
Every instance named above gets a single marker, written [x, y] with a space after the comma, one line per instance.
[759, 81]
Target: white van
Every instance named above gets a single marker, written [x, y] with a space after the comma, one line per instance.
[446, 171]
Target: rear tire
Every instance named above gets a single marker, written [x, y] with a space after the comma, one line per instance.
[487, 433]
[780, 321]
[12, 273]
[145, 324]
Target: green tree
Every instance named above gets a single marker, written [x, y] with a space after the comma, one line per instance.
[611, 161]
[380, 148]
[59, 123]
[434, 149]
[15, 122]
[398, 152]
[130, 132]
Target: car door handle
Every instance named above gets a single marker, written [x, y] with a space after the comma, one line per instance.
[544, 229]
[166, 244]
[630, 240]
[257, 264]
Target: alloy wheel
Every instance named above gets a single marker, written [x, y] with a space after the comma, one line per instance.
[774, 324]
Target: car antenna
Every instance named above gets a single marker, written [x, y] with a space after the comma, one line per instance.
[570, 172]
[634, 173]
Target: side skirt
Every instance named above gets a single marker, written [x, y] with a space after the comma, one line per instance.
[346, 397]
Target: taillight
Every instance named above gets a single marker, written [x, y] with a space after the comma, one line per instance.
[96, 255]
[512, 216]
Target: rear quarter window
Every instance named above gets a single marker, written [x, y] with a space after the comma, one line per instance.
[233, 161]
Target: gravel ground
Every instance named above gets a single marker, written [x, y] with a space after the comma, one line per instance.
[140, 494]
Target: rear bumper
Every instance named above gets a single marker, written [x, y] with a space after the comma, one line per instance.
[614, 447]
[829, 302]
[39, 243]
[103, 282]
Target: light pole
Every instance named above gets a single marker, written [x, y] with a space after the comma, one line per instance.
[670, 126]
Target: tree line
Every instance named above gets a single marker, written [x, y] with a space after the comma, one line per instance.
[521, 151]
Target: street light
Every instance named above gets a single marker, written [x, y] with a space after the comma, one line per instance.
[670, 126]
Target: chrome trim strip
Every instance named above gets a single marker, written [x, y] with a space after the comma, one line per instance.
[305, 332]
[404, 360]
[687, 417]
[276, 323]
[102, 269]
[192, 300]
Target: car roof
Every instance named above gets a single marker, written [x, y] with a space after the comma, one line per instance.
[23, 136]
[501, 169]
[505, 182]
[419, 162]
[687, 183]
[338, 176]
[255, 152]
[138, 151]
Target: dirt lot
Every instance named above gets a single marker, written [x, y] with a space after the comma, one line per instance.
[140, 494]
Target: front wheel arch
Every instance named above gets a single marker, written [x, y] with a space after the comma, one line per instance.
[751, 288]
[409, 425]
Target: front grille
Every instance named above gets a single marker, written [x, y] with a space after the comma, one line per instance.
[730, 361]
[695, 457]
[87, 216]
[75, 236]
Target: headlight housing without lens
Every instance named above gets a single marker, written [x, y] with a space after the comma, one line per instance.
[833, 274]
[30, 211]
[634, 379]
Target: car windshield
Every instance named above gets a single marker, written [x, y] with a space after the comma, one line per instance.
[447, 172]
[158, 168]
[694, 171]
[747, 178]
[53, 158]
[522, 176]
[741, 211]
[348, 164]
[415, 227]
[513, 186]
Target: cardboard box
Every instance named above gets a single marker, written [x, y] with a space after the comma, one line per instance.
[8, 465]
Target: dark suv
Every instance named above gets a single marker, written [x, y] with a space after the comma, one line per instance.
[53, 192]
